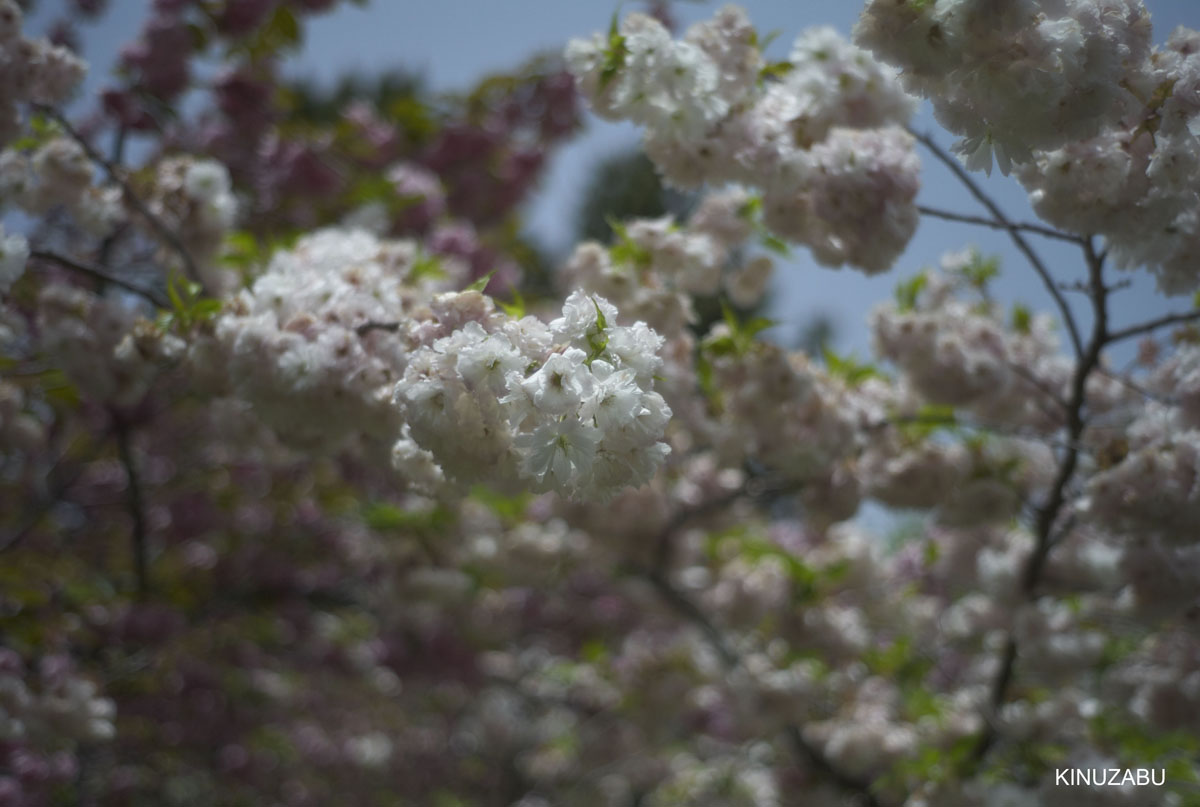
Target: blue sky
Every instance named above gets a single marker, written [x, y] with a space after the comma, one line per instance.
[455, 42]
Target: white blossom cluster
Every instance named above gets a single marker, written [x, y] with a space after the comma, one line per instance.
[342, 325]
[105, 348]
[961, 353]
[777, 408]
[31, 70]
[21, 432]
[1155, 487]
[656, 267]
[1134, 182]
[567, 406]
[1101, 128]
[59, 174]
[1011, 77]
[289, 344]
[819, 135]
[195, 199]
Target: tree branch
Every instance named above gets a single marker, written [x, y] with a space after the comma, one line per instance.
[1047, 514]
[96, 273]
[1013, 232]
[1154, 324]
[136, 507]
[1048, 232]
[114, 173]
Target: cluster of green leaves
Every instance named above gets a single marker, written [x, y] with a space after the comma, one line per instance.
[809, 583]
[979, 271]
[189, 307]
[848, 368]
[928, 420]
[509, 509]
[738, 340]
[388, 517]
[245, 251]
[908, 292]
[39, 131]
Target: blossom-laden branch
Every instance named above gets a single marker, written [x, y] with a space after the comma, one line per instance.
[169, 236]
[1048, 513]
[859, 789]
[1014, 232]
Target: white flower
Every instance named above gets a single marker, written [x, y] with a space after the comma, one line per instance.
[489, 360]
[636, 346]
[581, 318]
[560, 452]
[560, 385]
[616, 398]
[206, 180]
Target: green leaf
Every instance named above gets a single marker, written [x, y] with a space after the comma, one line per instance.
[388, 517]
[515, 309]
[481, 284]
[614, 54]
[594, 651]
[598, 339]
[775, 71]
[426, 266]
[510, 509]
[1022, 319]
[909, 291]
[624, 249]
[979, 271]
[848, 368]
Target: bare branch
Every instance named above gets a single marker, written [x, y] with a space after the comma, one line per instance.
[96, 273]
[1154, 324]
[1048, 232]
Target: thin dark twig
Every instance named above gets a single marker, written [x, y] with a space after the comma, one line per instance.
[114, 173]
[96, 273]
[372, 325]
[1015, 234]
[1154, 324]
[983, 221]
